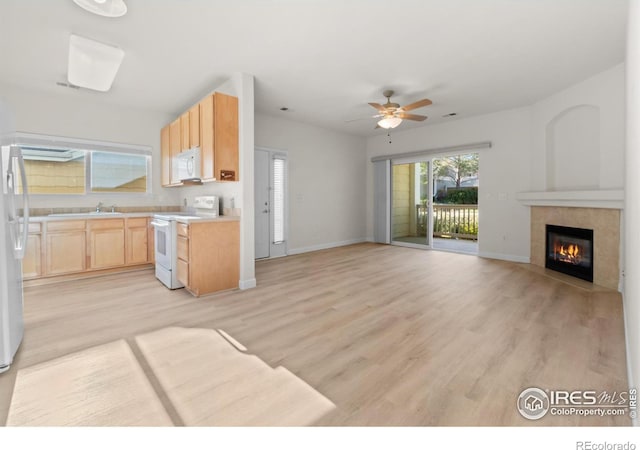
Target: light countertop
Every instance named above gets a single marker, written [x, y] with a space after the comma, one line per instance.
[95, 216]
[190, 219]
[82, 216]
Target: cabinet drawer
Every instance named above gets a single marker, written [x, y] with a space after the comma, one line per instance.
[34, 228]
[183, 229]
[103, 224]
[66, 225]
[183, 248]
[134, 222]
[183, 272]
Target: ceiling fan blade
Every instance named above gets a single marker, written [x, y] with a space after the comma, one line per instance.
[378, 106]
[411, 116]
[377, 126]
[416, 105]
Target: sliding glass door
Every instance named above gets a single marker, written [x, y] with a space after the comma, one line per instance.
[454, 209]
[410, 201]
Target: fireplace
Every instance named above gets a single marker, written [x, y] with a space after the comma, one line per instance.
[570, 251]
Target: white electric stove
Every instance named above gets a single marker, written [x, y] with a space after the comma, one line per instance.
[166, 237]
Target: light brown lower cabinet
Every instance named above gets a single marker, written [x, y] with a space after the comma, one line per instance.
[107, 243]
[137, 240]
[67, 247]
[209, 256]
[32, 261]
[66, 252]
[151, 239]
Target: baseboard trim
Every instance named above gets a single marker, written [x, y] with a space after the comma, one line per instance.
[313, 248]
[247, 284]
[504, 257]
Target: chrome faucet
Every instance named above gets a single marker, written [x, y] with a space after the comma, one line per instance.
[113, 208]
[99, 207]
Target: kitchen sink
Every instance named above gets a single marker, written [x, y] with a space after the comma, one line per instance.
[92, 213]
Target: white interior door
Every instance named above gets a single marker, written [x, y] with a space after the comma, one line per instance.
[262, 199]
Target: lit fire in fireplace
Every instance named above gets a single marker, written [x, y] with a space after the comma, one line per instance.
[568, 253]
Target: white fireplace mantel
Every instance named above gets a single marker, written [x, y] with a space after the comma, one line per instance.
[610, 199]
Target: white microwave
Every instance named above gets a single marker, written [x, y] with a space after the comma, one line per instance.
[189, 164]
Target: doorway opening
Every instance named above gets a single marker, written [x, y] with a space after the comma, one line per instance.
[271, 203]
[455, 203]
[409, 204]
[434, 202]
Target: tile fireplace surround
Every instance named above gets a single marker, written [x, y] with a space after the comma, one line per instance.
[605, 224]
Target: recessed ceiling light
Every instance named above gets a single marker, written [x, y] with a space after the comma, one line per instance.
[105, 8]
[92, 64]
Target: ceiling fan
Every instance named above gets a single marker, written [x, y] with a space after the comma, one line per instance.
[392, 114]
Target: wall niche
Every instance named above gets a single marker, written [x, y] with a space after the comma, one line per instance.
[573, 149]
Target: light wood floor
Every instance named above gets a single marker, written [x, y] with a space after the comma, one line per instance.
[390, 335]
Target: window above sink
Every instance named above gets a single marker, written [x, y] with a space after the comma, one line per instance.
[77, 167]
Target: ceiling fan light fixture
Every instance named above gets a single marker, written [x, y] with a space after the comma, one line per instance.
[104, 8]
[389, 122]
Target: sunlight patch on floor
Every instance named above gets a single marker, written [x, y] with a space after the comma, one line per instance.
[211, 383]
[100, 386]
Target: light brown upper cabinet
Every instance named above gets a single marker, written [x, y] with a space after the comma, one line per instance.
[225, 114]
[206, 138]
[184, 131]
[174, 149]
[165, 155]
[212, 125]
[194, 126]
[219, 137]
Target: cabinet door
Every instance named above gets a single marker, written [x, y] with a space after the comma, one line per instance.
[107, 248]
[225, 146]
[206, 138]
[151, 239]
[184, 131]
[174, 149]
[32, 262]
[65, 252]
[183, 272]
[165, 153]
[137, 248]
[194, 126]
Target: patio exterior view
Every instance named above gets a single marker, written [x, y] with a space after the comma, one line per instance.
[454, 204]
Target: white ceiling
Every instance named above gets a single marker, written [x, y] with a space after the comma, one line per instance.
[325, 59]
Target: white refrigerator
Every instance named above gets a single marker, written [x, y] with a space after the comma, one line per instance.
[14, 210]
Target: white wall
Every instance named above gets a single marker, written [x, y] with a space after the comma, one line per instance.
[632, 198]
[241, 86]
[504, 226]
[80, 115]
[7, 124]
[326, 182]
[606, 91]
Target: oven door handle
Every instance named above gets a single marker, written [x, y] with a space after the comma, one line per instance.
[159, 224]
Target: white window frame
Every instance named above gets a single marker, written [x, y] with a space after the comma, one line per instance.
[88, 146]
